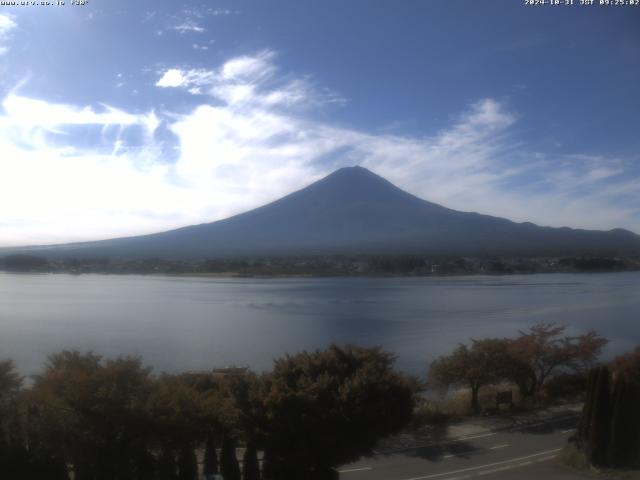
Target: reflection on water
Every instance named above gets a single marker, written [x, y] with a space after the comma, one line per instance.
[179, 323]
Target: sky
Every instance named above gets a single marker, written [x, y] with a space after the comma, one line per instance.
[120, 118]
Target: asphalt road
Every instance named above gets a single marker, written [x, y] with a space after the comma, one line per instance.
[523, 453]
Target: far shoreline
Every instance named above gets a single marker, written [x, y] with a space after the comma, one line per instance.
[339, 266]
[262, 276]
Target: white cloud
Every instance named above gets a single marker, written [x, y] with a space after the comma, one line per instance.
[248, 80]
[254, 143]
[237, 73]
[174, 78]
[189, 20]
[171, 78]
[472, 164]
[189, 27]
[216, 12]
[148, 16]
[32, 113]
[487, 113]
[6, 24]
[249, 67]
[52, 193]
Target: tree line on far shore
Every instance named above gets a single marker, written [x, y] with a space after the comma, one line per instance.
[322, 265]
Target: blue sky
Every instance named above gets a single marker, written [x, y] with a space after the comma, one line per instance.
[120, 117]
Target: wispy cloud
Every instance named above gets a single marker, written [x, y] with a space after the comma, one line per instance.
[250, 81]
[175, 77]
[251, 138]
[189, 27]
[190, 20]
[31, 113]
[217, 12]
[6, 26]
[204, 12]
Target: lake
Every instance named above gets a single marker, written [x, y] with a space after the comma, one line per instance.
[191, 323]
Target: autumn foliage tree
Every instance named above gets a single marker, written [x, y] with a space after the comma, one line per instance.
[112, 419]
[10, 381]
[481, 363]
[90, 418]
[329, 407]
[95, 412]
[628, 365]
[544, 350]
[10, 446]
[529, 360]
[178, 425]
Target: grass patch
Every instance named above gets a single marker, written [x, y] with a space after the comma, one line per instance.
[574, 458]
[430, 411]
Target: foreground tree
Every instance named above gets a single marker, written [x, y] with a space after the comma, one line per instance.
[10, 384]
[629, 365]
[180, 422]
[210, 467]
[187, 463]
[250, 465]
[609, 430]
[329, 407]
[536, 355]
[543, 350]
[94, 413]
[10, 380]
[167, 467]
[229, 467]
[12, 451]
[482, 363]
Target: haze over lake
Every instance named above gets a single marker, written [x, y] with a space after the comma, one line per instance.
[183, 323]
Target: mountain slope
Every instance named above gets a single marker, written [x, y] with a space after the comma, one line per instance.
[355, 211]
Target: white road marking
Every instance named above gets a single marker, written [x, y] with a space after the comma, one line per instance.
[449, 456]
[499, 446]
[480, 467]
[523, 464]
[502, 469]
[567, 431]
[472, 436]
[361, 469]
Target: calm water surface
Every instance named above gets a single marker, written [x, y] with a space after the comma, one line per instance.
[179, 323]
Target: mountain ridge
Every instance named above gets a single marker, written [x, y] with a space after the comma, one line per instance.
[354, 211]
